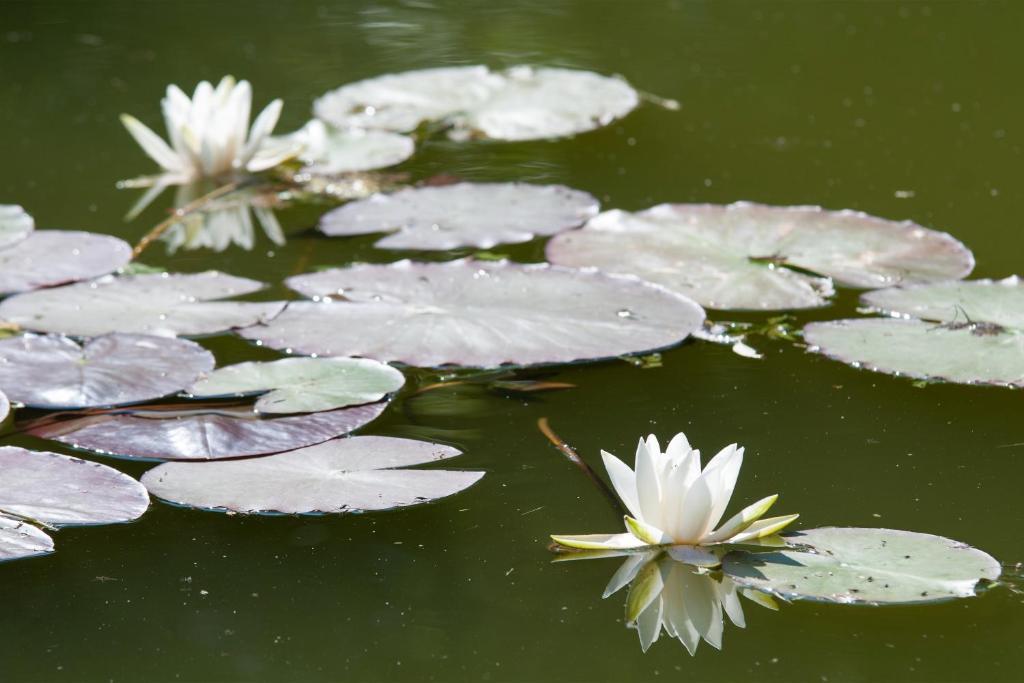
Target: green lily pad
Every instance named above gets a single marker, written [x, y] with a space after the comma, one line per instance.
[752, 256]
[864, 566]
[19, 540]
[303, 385]
[15, 224]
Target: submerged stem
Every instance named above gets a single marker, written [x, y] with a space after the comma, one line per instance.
[180, 212]
[574, 457]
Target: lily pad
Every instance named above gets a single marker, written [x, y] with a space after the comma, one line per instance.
[344, 475]
[19, 540]
[521, 103]
[865, 566]
[304, 385]
[479, 215]
[52, 257]
[329, 151]
[534, 104]
[401, 102]
[205, 433]
[59, 490]
[751, 256]
[989, 302]
[15, 225]
[5, 407]
[160, 304]
[55, 372]
[476, 314]
[923, 350]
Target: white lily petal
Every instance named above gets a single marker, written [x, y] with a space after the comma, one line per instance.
[730, 598]
[647, 533]
[262, 127]
[599, 541]
[644, 590]
[741, 520]
[701, 600]
[648, 625]
[677, 621]
[695, 511]
[678, 483]
[762, 599]
[628, 571]
[152, 144]
[271, 226]
[648, 485]
[764, 527]
[623, 481]
[728, 472]
[694, 555]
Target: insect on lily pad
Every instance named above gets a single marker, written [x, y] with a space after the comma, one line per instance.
[865, 566]
[752, 256]
[356, 474]
[479, 215]
[481, 314]
[968, 332]
[54, 372]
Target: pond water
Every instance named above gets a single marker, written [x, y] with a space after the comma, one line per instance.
[903, 110]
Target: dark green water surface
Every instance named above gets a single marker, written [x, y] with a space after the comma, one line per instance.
[902, 109]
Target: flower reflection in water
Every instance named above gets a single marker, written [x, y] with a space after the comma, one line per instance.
[224, 222]
[688, 603]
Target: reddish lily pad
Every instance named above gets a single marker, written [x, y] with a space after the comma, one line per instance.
[52, 371]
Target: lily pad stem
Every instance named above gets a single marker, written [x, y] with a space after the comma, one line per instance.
[180, 213]
[574, 457]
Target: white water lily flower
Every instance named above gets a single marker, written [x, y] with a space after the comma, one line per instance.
[671, 501]
[687, 604]
[210, 134]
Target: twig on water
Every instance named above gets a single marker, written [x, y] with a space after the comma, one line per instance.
[180, 212]
[575, 459]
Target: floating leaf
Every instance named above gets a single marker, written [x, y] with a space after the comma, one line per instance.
[329, 151]
[53, 257]
[981, 302]
[5, 407]
[522, 103]
[60, 490]
[19, 540]
[304, 385]
[343, 475]
[15, 225]
[205, 433]
[742, 256]
[547, 103]
[55, 372]
[165, 305]
[872, 566]
[923, 350]
[476, 314]
[477, 215]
